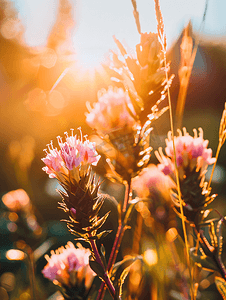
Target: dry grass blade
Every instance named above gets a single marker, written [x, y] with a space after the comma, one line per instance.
[222, 138]
[222, 130]
[187, 61]
[136, 15]
[160, 26]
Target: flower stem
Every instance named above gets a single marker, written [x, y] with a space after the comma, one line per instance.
[118, 239]
[106, 278]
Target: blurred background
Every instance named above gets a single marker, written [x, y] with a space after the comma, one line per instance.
[50, 65]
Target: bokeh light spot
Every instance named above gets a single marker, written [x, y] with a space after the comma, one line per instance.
[14, 254]
[56, 99]
[171, 234]
[10, 28]
[36, 100]
[150, 257]
[48, 58]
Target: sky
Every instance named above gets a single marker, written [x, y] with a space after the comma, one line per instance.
[98, 20]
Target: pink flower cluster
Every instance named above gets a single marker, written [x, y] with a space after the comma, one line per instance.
[74, 153]
[191, 152]
[65, 261]
[151, 181]
[110, 112]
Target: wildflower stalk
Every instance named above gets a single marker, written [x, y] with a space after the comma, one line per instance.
[106, 278]
[163, 43]
[178, 181]
[119, 235]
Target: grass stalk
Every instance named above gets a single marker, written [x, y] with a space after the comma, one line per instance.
[177, 177]
[217, 154]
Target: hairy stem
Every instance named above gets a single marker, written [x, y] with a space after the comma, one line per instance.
[106, 277]
[118, 239]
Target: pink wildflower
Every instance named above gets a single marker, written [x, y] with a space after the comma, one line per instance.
[151, 181]
[73, 153]
[65, 263]
[110, 112]
[191, 152]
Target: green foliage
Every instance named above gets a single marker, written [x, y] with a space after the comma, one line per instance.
[120, 272]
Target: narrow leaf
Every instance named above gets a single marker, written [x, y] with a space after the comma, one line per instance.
[97, 268]
[221, 286]
[204, 262]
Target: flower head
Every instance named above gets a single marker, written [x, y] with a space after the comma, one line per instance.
[71, 165]
[191, 152]
[154, 186]
[192, 160]
[69, 267]
[110, 112]
[123, 141]
[73, 156]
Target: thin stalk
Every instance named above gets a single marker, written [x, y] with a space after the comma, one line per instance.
[118, 239]
[121, 229]
[127, 196]
[99, 261]
[217, 154]
[177, 175]
[31, 271]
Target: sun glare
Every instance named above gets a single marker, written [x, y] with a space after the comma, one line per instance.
[90, 59]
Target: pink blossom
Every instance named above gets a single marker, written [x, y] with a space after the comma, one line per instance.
[191, 152]
[110, 112]
[151, 181]
[73, 153]
[65, 261]
[53, 160]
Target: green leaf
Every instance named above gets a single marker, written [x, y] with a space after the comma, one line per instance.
[205, 262]
[120, 272]
[221, 286]
[97, 268]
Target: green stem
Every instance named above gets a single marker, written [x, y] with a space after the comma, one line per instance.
[106, 278]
